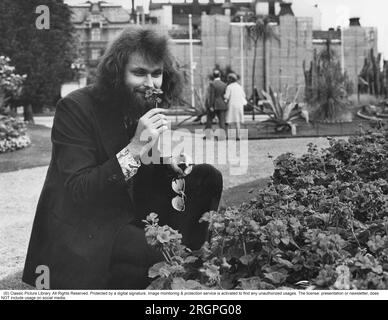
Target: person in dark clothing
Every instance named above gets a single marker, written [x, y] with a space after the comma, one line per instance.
[87, 228]
[215, 103]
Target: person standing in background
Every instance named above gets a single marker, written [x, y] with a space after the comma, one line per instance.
[236, 99]
[216, 105]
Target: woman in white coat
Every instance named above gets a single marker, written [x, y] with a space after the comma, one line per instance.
[236, 100]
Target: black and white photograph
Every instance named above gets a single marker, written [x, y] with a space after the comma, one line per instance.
[177, 149]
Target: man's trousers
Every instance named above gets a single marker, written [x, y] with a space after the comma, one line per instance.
[131, 255]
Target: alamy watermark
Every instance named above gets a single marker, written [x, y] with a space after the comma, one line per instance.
[42, 281]
[42, 22]
[222, 148]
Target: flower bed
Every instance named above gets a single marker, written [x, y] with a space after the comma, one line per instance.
[12, 134]
[322, 223]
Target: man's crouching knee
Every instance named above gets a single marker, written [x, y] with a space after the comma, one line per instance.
[203, 190]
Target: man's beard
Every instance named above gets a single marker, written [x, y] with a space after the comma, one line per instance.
[133, 102]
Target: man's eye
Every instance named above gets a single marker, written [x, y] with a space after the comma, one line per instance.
[139, 73]
[157, 74]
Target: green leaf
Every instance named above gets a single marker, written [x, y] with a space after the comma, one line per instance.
[284, 262]
[154, 271]
[158, 284]
[252, 283]
[190, 259]
[182, 284]
[276, 277]
[247, 259]
[287, 111]
[285, 240]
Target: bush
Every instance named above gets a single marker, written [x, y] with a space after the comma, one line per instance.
[322, 223]
[12, 134]
[10, 82]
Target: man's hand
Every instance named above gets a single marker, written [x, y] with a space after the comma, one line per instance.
[182, 165]
[149, 128]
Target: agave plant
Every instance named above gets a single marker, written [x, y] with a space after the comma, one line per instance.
[283, 113]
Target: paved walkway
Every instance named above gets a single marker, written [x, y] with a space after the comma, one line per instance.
[20, 191]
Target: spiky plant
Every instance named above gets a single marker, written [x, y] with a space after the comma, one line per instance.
[326, 87]
[282, 113]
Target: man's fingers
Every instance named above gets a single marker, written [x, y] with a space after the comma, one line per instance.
[162, 129]
[157, 117]
[160, 122]
[154, 111]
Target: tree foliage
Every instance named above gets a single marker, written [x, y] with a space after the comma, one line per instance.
[44, 55]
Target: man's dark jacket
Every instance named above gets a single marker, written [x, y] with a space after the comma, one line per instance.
[84, 200]
[217, 91]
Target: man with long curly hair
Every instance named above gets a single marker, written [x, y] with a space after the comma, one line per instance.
[88, 226]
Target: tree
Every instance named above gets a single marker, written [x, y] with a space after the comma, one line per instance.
[260, 30]
[44, 55]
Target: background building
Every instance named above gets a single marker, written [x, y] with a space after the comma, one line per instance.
[96, 24]
[217, 39]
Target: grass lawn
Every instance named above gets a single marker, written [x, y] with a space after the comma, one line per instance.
[37, 154]
[242, 193]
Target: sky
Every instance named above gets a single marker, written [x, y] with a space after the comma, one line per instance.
[373, 13]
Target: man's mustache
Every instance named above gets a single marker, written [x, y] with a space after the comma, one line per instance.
[143, 90]
[140, 90]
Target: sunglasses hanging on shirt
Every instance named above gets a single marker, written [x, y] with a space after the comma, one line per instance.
[178, 202]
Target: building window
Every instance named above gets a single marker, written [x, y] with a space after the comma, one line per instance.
[96, 34]
[303, 26]
[371, 36]
[95, 54]
[95, 18]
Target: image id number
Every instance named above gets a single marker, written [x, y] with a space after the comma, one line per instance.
[214, 309]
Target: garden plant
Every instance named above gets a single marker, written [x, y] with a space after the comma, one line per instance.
[283, 113]
[322, 223]
[12, 131]
[327, 88]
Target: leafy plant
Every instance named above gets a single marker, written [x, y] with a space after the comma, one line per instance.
[322, 223]
[181, 267]
[10, 82]
[283, 113]
[12, 134]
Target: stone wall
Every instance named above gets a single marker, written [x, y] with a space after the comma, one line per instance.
[357, 44]
[220, 44]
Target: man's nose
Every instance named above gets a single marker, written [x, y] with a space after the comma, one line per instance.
[148, 81]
